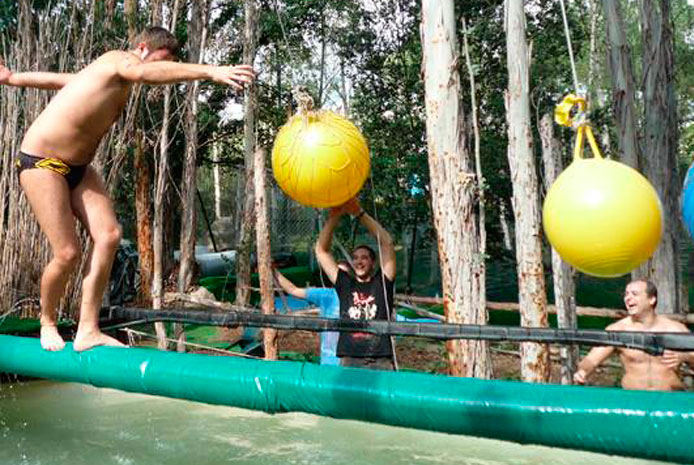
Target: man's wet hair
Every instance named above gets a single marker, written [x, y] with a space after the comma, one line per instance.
[158, 38]
[372, 252]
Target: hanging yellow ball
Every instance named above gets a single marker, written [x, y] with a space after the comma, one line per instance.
[320, 159]
[603, 217]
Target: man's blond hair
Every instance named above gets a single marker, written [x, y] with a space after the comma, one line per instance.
[157, 38]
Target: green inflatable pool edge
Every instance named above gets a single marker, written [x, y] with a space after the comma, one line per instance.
[652, 425]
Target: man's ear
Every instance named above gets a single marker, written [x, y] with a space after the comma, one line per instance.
[142, 49]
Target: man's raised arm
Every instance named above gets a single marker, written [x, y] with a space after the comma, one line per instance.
[129, 68]
[385, 242]
[35, 79]
[323, 245]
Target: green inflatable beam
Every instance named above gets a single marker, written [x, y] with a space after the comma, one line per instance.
[654, 425]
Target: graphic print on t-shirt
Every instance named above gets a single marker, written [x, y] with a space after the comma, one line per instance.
[363, 306]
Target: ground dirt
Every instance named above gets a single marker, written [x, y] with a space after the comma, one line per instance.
[429, 356]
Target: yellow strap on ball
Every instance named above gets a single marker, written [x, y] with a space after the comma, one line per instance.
[562, 115]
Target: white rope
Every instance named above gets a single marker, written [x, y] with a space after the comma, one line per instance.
[383, 276]
[568, 44]
[287, 47]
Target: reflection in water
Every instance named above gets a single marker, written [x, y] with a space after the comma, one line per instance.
[71, 424]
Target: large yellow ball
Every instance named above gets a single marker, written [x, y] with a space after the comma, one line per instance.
[320, 159]
[603, 217]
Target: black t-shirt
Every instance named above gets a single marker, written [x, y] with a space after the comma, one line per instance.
[364, 301]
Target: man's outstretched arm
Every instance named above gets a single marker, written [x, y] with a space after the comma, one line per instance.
[289, 287]
[129, 68]
[35, 79]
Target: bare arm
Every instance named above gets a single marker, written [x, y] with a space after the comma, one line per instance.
[590, 362]
[385, 244]
[325, 239]
[289, 287]
[671, 358]
[130, 68]
[35, 79]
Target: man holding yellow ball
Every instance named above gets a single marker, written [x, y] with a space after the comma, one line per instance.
[367, 295]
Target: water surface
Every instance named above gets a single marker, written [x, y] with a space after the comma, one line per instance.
[47, 423]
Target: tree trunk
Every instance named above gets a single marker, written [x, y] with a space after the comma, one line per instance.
[144, 219]
[243, 268]
[262, 234]
[526, 207]
[505, 226]
[623, 87]
[481, 182]
[564, 286]
[142, 185]
[660, 146]
[453, 189]
[159, 202]
[196, 37]
[197, 34]
[217, 179]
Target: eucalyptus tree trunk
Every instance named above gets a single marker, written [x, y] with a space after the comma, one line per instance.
[454, 189]
[564, 286]
[217, 180]
[197, 34]
[262, 234]
[660, 139]
[526, 206]
[159, 202]
[623, 85]
[243, 256]
[143, 182]
[481, 182]
[143, 210]
[505, 226]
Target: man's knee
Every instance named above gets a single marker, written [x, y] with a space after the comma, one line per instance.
[68, 256]
[109, 238]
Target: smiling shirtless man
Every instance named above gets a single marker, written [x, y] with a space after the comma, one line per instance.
[641, 370]
[55, 172]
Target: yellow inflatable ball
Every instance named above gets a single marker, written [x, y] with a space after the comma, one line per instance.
[603, 217]
[320, 159]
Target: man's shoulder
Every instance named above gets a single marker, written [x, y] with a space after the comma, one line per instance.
[117, 58]
[625, 323]
[668, 324]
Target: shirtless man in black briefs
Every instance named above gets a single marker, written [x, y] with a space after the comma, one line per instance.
[55, 172]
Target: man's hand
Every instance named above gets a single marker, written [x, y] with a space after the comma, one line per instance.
[580, 376]
[5, 73]
[236, 76]
[351, 207]
[672, 359]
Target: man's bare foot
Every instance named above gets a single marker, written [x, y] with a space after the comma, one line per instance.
[86, 340]
[51, 339]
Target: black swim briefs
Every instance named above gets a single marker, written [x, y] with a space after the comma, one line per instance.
[72, 174]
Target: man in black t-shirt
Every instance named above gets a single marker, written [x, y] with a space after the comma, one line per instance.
[366, 296]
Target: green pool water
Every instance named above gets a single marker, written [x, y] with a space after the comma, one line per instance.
[71, 424]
